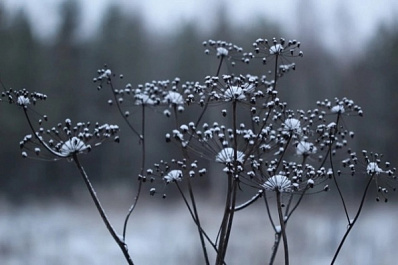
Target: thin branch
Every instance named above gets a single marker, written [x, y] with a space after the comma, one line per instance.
[283, 227]
[200, 230]
[249, 202]
[338, 188]
[121, 111]
[143, 157]
[131, 209]
[194, 219]
[40, 139]
[352, 223]
[119, 240]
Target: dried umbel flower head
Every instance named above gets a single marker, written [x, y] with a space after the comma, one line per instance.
[23, 97]
[281, 50]
[226, 156]
[341, 107]
[230, 88]
[278, 183]
[275, 47]
[65, 140]
[223, 49]
[383, 175]
[104, 75]
[172, 172]
[305, 148]
[173, 175]
[172, 95]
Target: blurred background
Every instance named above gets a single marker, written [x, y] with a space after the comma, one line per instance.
[55, 47]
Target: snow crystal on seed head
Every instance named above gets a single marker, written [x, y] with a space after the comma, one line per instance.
[276, 49]
[305, 148]
[278, 182]
[221, 51]
[292, 125]
[174, 98]
[72, 146]
[226, 155]
[174, 175]
[373, 168]
[143, 99]
[338, 109]
[234, 92]
[23, 101]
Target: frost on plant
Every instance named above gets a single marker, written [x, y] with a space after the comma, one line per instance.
[305, 148]
[292, 125]
[174, 175]
[372, 168]
[66, 139]
[228, 117]
[74, 145]
[227, 155]
[23, 101]
[278, 183]
[22, 97]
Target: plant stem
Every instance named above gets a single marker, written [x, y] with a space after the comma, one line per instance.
[283, 227]
[200, 230]
[116, 237]
[352, 223]
[143, 150]
[249, 202]
[121, 111]
[202, 233]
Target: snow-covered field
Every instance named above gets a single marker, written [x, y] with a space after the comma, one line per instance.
[161, 232]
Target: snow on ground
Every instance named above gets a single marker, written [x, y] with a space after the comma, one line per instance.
[161, 232]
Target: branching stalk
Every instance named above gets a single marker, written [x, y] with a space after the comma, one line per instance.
[352, 223]
[119, 240]
[143, 158]
[283, 227]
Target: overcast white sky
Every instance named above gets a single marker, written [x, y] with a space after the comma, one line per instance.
[364, 16]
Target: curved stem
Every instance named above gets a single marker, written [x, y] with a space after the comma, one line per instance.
[121, 111]
[339, 190]
[132, 207]
[352, 223]
[249, 202]
[143, 150]
[119, 240]
[288, 214]
[329, 155]
[269, 212]
[40, 139]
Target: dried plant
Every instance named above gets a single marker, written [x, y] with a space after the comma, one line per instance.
[268, 152]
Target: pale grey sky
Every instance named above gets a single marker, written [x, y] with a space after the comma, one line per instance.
[364, 16]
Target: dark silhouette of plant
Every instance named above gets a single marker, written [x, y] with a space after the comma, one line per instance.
[234, 120]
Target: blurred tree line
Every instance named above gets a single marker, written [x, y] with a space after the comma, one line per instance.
[63, 68]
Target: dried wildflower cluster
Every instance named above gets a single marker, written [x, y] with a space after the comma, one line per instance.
[223, 49]
[252, 141]
[22, 97]
[254, 134]
[65, 139]
[172, 172]
[372, 165]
